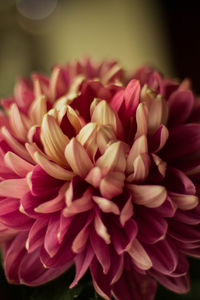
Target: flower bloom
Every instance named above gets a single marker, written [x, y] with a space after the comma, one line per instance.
[100, 171]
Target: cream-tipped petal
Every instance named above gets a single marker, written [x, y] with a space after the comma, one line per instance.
[158, 114]
[141, 168]
[139, 256]
[142, 114]
[88, 138]
[78, 158]
[148, 195]
[94, 177]
[183, 201]
[17, 164]
[127, 211]
[112, 184]
[38, 109]
[101, 229]
[107, 206]
[52, 168]
[53, 140]
[103, 114]
[113, 159]
[15, 145]
[16, 122]
[140, 146]
[105, 137]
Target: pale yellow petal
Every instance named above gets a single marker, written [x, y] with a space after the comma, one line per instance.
[139, 256]
[52, 168]
[78, 158]
[53, 140]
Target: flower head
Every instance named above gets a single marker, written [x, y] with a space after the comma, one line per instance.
[101, 172]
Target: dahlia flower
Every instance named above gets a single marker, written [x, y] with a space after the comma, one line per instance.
[101, 171]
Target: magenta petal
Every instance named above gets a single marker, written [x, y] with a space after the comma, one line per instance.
[82, 262]
[183, 232]
[163, 256]
[36, 234]
[123, 237]
[190, 217]
[11, 216]
[179, 285]
[33, 273]
[101, 250]
[176, 148]
[12, 258]
[51, 243]
[131, 97]
[133, 285]
[176, 181]
[180, 106]
[30, 202]
[100, 281]
[42, 183]
[153, 229]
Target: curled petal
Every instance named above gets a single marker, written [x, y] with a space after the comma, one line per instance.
[15, 145]
[184, 202]
[142, 114]
[113, 159]
[139, 255]
[17, 164]
[51, 168]
[53, 140]
[127, 211]
[38, 109]
[106, 205]
[158, 114]
[16, 122]
[131, 97]
[78, 158]
[103, 114]
[148, 195]
[101, 229]
[87, 137]
[158, 139]
[112, 184]
[141, 168]
[139, 146]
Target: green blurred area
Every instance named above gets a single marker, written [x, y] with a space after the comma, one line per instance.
[34, 34]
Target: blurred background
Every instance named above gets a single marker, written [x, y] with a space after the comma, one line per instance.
[34, 34]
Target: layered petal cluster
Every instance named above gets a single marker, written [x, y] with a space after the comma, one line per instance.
[100, 171]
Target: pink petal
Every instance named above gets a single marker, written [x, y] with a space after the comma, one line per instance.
[133, 285]
[82, 262]
[40, 180]
[13, 258]
[178, 285]
[100, 281]
[36, 234]
[153, 229]
[33, 273]
[180, 105]
[127, 211]
[159, 138]
[101, 251]
[164, 258]
[16, 187]
[51, 243]
[131, 97]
